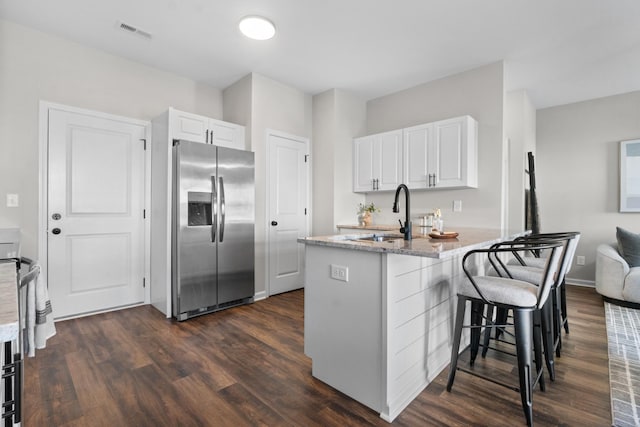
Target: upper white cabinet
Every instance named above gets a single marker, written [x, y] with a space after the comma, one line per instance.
[420, 154]
[442, 154]
[377, 162]
[194, 127]
[434, 155]
[456, 142]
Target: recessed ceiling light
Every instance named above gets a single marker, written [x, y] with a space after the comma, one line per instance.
[257, 27]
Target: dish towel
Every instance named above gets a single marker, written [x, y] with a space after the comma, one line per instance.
[39, 319]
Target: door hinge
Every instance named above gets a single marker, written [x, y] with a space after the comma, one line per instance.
[144, 144]
[144, 213]
[306, 157]
[144, 282]
[305, 211]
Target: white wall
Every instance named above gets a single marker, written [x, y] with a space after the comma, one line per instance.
[478, 93]
[273, 106]
[237, 104]
[35, 66]
[350, 120]
[577, 171]
[337, 116]
[520, 131]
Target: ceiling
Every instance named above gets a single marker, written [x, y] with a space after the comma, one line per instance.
[559, 51]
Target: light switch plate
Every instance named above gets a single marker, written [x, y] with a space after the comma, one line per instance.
[580, 260]
[12, 201]
[457, 205]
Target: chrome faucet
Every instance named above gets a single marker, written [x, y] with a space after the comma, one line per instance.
[406, 229]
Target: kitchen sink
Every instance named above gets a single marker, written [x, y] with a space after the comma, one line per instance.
[380, 238]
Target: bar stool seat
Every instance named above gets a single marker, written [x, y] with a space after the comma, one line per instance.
[502, 290]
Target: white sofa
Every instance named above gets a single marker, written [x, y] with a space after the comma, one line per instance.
[614, 278]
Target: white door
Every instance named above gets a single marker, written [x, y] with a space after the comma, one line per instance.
[95, 237]
[288, 175]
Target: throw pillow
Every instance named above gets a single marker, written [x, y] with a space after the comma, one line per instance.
[629, 246]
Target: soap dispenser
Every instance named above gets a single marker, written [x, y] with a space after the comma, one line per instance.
[438, 222]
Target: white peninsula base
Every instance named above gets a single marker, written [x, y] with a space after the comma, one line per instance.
[383, 335]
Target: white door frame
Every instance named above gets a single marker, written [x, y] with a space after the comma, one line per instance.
[302, 140]
[43, 182]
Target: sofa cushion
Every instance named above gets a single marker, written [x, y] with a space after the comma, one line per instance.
[631, 291]
[629, 246]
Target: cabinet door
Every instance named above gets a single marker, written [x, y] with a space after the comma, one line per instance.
[191, 127]
[419, 156]
[455, 141]
[363, 158]
[388, 164]
[227, 134]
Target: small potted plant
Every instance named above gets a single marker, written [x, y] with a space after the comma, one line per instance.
[364, 213]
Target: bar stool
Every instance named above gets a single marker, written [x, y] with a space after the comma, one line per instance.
[523, 298]
[547, 318]
[559, 295]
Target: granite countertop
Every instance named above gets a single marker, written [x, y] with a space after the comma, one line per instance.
[8, 302]
[421, 245]
[381, 227]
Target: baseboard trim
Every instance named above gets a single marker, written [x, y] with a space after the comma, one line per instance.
[580, 282]
[260, 296]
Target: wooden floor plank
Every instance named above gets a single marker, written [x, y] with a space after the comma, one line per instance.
[245, 366]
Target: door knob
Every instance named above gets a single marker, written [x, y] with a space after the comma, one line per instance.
[274, 223]
[56, 231]
[56, 216]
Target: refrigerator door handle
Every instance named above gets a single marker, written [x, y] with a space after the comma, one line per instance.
[222, 209]
[214, 209]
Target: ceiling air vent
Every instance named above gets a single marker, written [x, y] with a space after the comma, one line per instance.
[133, 30]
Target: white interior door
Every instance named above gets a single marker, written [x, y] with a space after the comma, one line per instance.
[288, 175]
[95, 230]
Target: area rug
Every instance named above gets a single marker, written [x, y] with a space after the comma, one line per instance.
[623, 336]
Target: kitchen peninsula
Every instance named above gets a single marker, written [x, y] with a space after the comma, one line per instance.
[379, 314]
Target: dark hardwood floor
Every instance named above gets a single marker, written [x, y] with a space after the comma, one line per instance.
[245, 366]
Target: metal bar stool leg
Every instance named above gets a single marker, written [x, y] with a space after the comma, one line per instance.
[548, 329]
[556, 295]
[477, 309]
[523, 323]
[563, 306]
[457, 334]
[537, 346]
[487, 331]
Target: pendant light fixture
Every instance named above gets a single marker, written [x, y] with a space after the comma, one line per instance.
[257, 27]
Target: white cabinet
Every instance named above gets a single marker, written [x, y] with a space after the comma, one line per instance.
[377, 162]
[442, 154]
[194, 127]
[456, 146]
[419, 151]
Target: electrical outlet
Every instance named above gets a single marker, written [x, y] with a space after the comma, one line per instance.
[580, 260]
[12, 201]
[457, 205]
[340, 272]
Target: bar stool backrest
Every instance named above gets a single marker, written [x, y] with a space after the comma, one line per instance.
[551, 272]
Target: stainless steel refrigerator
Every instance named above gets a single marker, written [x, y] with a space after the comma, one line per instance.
[213, 228]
